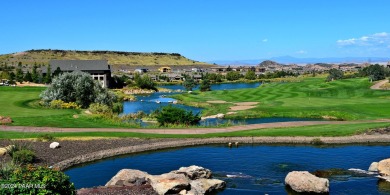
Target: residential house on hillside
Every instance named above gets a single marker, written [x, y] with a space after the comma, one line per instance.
[98, 69]
[141, 70]
[165, 69]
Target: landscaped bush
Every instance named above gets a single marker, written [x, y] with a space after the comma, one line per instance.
[6, 169]
[23, 156]
[36, 180]
[59, 104]
[77, 87]
[117, 107]
[172, 115]
[97, 108]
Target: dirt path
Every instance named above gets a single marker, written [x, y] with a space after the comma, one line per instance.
[187, 130]
[379, 84]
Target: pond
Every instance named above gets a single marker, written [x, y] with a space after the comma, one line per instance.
[150, 102]
[248, 169]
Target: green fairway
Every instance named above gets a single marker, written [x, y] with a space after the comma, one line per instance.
[20, 103]
[349, 99]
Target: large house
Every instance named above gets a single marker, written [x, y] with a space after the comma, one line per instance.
[98, 69]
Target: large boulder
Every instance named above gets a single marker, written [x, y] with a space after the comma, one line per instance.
[194, 172]
[373, 167]
[170, 183]
[206, 186]
[186, 180]
[384, 167]
[303, 181]
[127, 175]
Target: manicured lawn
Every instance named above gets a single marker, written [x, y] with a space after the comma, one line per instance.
[20, 103]
[349, 99]
[311, 131]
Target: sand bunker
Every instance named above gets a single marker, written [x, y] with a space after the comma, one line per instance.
[216, 101]
[243, 105]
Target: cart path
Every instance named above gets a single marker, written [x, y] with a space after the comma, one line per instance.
[187, 130]
[379, 84]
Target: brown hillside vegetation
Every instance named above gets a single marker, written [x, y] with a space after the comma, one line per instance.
[115, 58]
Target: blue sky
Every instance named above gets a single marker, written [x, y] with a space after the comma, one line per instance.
[203, 30]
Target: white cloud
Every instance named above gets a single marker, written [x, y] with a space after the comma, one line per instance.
[301, 52]
[373, 40]
[265, 40]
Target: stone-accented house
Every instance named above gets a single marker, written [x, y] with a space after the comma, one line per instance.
[98, 69]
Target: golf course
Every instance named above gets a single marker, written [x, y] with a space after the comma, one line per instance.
[350, 102]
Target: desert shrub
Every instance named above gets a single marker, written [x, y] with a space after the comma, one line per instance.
[37, 180]
[172, 115]
[97, 108]
[46, 137]
[6, 169]
[23, 156]
[317, 141]
[77, 87]
[335, 74]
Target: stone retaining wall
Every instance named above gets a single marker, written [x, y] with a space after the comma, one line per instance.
[358, 139]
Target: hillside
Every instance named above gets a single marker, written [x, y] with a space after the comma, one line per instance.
[114, 58]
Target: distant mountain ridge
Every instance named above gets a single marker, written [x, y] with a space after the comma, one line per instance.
[293, 60]
[115, 58]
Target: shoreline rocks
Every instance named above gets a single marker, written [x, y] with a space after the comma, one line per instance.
[186, 180]
[303, 181]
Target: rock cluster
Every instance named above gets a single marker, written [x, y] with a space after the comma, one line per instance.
[5, 120]
[186, 180]
[303, 181]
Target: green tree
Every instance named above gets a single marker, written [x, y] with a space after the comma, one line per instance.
[19, 75]
[12, 76]
[229, 68]
[233, 75]
[77, 87]
[189, 83]
[144, 82]
[5, 75]
[34, 74]
[375, 72]
[205, 85]
[28, 77]
[47, 78]
[335, 74]
[57, 72]
[250, 75]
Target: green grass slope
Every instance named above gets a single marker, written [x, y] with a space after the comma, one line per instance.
[20, 103]
[114, 57]
[349, 99]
